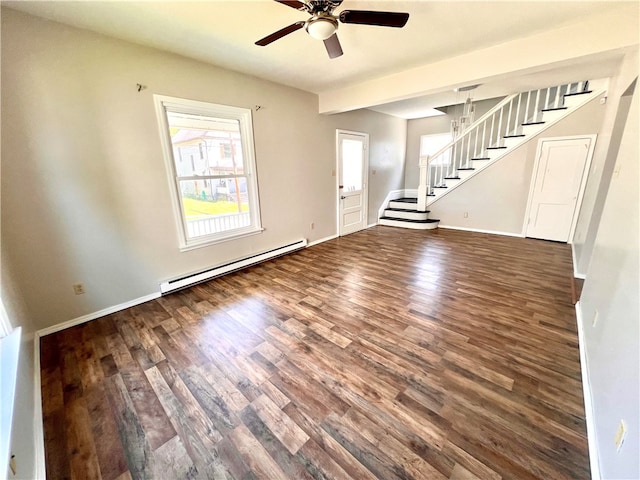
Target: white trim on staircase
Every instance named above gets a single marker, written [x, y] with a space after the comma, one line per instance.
[480, 230]
[390, 196]
[588, 399]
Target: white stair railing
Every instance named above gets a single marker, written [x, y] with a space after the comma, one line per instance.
[486, 137]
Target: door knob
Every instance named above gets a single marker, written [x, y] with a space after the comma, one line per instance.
[342, 197]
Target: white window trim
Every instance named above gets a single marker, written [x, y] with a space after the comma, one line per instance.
[243, 115]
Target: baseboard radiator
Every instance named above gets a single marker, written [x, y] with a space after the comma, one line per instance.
[193, 278]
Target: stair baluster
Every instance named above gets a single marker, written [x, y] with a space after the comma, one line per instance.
[487, 134]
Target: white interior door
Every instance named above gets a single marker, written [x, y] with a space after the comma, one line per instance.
[352, 181]
[560, 173]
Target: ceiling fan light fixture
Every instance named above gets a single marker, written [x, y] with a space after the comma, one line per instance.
[321, 27]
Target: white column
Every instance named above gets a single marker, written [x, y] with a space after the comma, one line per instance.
[423, 187]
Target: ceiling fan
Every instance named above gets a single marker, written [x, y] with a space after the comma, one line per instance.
[322, 24]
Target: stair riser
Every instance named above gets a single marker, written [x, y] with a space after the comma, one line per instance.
[511, 142]
[493, 154]
[465, 173]
[479, 164]
[573, 100]
[452, 183]
[406, 206]
[553, 115]
[407, 215]
[413, 226]
[529, 130]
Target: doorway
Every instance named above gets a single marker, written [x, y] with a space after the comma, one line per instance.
[353, 160]
[560, 173]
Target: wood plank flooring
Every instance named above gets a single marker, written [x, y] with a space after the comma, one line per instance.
[389, 354]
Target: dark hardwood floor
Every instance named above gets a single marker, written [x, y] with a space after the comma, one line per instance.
[390, 354]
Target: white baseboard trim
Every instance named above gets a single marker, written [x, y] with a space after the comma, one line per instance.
[479, 230]
[39, 467]
[322, 240]
[573, 259]
[410, 192]
[94, 315]
[588, 403]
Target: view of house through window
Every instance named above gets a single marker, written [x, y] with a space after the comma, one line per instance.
[213, 170]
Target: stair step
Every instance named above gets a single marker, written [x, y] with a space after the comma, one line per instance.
[496, 148]
[441, 186]
[413, 224]
[465, 169]
[553, 109]
[532, 123]
[405, 214]
[514, 136]
[408, 203]
[481, 158]
[410, 220]
[452, 178]
[578, 93]
[404, 210]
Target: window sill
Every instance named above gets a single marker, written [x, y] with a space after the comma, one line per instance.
[207, 243]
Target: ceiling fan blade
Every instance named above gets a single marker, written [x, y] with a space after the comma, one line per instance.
[382, 19]
[280, 33]
[333, 47]
[293, 4]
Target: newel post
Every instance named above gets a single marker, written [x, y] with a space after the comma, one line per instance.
[423, 187]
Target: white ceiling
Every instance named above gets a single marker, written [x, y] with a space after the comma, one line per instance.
[223, 33]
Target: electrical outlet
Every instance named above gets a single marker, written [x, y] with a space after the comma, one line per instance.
[78, 289]
[596, 315]
[466, 214]
[621, 433]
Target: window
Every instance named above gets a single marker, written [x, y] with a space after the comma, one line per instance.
[430, 144]
[210, 161]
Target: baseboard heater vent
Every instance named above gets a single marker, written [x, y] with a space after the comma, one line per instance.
[192, 279]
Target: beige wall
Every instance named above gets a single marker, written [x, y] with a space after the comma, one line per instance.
[612, 289]
[85, 196]
[496, 199]
[604, 159]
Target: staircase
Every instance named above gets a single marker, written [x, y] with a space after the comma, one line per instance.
[514, 121]
[402, 212]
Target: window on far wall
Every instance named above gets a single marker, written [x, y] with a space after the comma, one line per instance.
[210, 160]
[430, 144]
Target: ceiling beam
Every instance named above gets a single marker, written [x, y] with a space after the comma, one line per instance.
[591, 37]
